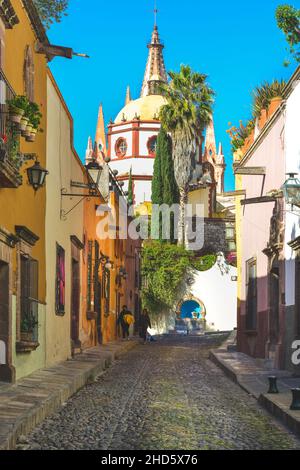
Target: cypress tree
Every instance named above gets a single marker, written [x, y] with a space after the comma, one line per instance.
[164, 186]
[130, 196]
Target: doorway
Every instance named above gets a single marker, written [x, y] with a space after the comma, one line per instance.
[75, 303]
[274, 302]
[4, 319]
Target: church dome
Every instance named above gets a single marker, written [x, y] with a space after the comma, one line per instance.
[146, 109]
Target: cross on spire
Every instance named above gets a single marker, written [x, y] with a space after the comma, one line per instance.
[155, 12]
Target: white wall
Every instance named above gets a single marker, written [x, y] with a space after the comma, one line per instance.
[219, 295]
[292, 149]
[125, 135]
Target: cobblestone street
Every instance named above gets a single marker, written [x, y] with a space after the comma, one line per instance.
[164, 395]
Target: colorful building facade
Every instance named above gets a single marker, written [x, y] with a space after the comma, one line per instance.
[22, 211]
[267, 235]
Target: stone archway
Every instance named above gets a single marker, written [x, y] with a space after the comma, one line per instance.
[191, 310]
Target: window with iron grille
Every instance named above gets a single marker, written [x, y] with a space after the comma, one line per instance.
[251, 289]
[29, 296]
[89, 275]
[60, 281]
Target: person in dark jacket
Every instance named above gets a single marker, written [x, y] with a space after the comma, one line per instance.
[123, 321]
[145, 323]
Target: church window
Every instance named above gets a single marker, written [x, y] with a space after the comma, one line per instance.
[121, 147]
[152, 145]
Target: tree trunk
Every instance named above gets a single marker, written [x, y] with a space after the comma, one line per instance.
[183, 191]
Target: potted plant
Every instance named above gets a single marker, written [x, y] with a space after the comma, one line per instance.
[23, 124]
[17, 107]
[35, 116]
[28, 325]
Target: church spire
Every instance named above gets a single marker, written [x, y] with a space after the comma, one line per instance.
[155, 68]
[100, 138]
[210, 143]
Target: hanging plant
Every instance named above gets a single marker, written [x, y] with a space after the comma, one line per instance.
[34, 116]
[17, 107]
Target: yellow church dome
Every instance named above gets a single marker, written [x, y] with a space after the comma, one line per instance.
[145, 108]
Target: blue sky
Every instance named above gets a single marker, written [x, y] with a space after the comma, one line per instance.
[236, 43]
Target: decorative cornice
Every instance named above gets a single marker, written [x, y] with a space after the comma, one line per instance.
[36, 21]
[8, 14]
[77, 242]
[290, 86]
[8, 238]
[295, 244]
[26, 235]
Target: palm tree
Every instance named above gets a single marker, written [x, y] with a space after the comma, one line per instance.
[185, 115]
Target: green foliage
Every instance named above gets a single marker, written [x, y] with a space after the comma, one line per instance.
[19, 101]
[164, 186]
[51, 11]
[164, 267]
[204, 263]
[34, 115]
[130, 189]
[238, 135]
[263, 94]
[157, 182]
[186, 114]
[288, 20]
[28, 323]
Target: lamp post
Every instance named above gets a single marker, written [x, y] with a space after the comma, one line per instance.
[36, 175]
[291, 190]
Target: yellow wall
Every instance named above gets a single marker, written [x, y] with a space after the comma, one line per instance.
[25, 364]
[22, 206]
[63, 166]
[200, 196]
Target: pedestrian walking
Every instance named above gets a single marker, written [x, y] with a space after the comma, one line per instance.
[145, 323]
[125, 319]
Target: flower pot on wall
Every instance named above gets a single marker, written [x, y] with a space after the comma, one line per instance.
[28, 130]
[23, 124]
[32, 136]
[15, 114]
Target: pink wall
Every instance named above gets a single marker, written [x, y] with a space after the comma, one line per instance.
[256, 217]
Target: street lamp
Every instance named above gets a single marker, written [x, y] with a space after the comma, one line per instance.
[36, 175]
[94, 171]
[291, 190]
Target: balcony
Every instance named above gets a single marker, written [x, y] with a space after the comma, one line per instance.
[11, 158]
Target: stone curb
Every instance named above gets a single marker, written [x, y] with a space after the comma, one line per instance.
[27, 403]
[277, 405]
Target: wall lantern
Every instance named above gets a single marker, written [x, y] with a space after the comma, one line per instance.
[94, 171]
[291, 190]
[36, 175]
[106, 263]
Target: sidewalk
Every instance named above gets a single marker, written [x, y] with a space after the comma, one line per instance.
[253, 378]
[28, 402]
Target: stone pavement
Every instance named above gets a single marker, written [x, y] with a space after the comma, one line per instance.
[252, 375]
[165, 395]
[28, 402]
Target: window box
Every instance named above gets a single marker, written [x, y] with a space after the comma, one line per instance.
[26, 347]
[9, 173]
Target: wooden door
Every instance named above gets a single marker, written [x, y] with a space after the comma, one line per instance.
[4, 312]
[75, 301]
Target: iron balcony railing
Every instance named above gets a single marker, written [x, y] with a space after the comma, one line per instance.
[6, 94]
